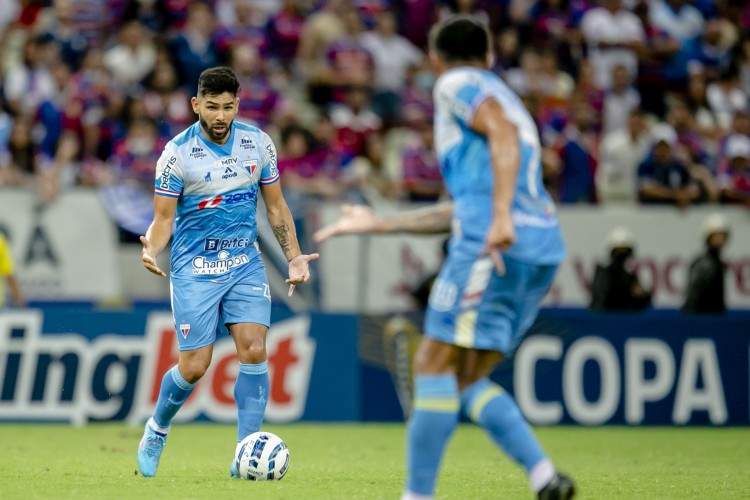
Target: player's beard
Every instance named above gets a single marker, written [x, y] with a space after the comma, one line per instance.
[210, 131]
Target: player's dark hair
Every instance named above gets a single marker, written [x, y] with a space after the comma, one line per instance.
[215, 81]
[460, 39]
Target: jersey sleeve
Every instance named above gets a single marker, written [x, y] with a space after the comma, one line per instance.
[270, 172]
[460, 94]
[169, 179]
[6, 260]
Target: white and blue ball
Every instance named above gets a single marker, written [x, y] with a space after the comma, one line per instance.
[262, 456]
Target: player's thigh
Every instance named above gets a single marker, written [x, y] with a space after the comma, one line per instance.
[512, 303]
[248, 300]
[538, 284]
[451, 309]
[473, 307]
[195, 306]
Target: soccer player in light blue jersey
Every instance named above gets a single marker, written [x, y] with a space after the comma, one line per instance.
[207, 183]
[504, 250]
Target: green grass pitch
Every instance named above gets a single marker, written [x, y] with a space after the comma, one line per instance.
[366, 461]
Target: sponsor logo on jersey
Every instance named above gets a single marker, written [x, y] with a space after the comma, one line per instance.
[185, 329]
[224, 263]
[215, 201]
[272, 160]
[246, 143]
[166, 171]
[198, 153]
[250, 166]
[212, 202]
[207, 178]
[226, 162]
[228, 173]
[216, 244]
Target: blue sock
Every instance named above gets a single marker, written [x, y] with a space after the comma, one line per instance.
[433, 419]
[489, 406]
[173, 393]
[251, 395]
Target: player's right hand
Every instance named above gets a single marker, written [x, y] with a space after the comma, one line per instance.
[354, 219]
[500, 236]
[148, 260]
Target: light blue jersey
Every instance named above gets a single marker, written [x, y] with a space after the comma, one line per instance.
[217, 187]
[466, 165]
[471, 305]
[217, 276]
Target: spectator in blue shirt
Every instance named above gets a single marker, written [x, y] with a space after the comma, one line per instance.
[662, 177]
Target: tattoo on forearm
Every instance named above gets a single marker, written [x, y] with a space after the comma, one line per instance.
[282, 236]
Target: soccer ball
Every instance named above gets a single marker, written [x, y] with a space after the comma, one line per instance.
[262, 456]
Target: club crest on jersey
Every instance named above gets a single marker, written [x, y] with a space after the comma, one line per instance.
[250, 166]
[246, 143]
[185, 329]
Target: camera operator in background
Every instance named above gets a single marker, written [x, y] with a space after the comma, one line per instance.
[705, 289]
[615, 286]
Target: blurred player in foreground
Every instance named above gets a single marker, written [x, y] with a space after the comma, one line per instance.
[207, 180]
[483, 301]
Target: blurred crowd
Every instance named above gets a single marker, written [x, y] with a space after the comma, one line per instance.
[637, 101]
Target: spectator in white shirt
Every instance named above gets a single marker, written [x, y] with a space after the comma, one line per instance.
[619, 100]
[394, 56]
[9, 13]
[614, 35]
[677, 18]
[725, 96]
[30, 83]
[620, 153]
[133, 57]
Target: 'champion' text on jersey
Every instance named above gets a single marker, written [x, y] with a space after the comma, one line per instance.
[217, 190]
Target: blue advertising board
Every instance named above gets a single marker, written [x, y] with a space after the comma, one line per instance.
[658, 368]
[654, 368]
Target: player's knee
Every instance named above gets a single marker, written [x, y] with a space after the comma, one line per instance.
[477, 365]
[427, 364]
[254, 352]
[192, 370]
[465, 380]
[422, 364]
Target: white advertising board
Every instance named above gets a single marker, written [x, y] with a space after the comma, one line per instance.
[374, 273]
[64, 250]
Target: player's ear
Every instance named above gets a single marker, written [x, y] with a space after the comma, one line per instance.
[194, 103]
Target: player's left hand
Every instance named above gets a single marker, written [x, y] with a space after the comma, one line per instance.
[500, 236]
[299, 271]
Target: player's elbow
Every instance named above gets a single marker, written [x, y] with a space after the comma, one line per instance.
[163, 220]
[274, 211]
